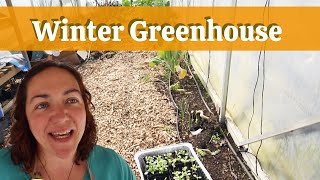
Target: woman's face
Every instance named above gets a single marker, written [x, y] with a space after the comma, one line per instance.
[55, 111]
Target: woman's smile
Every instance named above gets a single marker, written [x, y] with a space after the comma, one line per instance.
[62, 136]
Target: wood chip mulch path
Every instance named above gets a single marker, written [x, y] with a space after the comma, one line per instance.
[131, 114]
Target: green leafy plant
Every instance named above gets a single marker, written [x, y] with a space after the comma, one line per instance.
[185, 160]
[186, 172]
[174, 161]
[151, 168]
[176, 87]
[106, 3]
[204, 152]
[200, 152]
[181, 153]
[156, 164]
[168, 156]
[160, 165]
[192, 159]
[171, 61]
[215, 138]
[183, 109]
[196, 176]
[149, 159]
[145, 3]
[177, 175]
[194, 168]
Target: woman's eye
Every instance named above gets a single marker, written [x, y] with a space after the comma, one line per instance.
[42, 106]
[72, 101]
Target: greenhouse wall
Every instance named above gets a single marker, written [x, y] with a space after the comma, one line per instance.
[285, 93]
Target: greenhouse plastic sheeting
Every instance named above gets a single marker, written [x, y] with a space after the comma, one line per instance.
[1, 112]
[291, 96]
[15, 59]
[50, 2]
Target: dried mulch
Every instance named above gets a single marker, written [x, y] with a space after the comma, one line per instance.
[131, 114]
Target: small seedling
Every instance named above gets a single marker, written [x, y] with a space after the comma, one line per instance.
[200, 152]
[192, 159]
[174, 162]
[176, 87]
[151, 168]
[183, 107]
[194, 167]
[182, 153]
[177, 175]
[204, 152]
[168, 156]
[149, 159]
[186, 172]
[185, 160]
[197, 176]
[215, 138]
[156, 164]
[164, 166]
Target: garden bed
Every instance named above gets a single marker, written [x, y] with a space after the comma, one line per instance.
[194, 117]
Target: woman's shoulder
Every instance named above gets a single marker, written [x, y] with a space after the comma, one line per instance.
[5, 156]
[8, 170]
[101, 155]
[105, 162]
[103, 151]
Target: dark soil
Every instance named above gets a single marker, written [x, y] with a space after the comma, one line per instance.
[224, 164]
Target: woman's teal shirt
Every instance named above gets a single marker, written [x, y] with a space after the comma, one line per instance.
[103, 163]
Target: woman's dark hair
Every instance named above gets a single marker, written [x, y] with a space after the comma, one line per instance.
[21, 141]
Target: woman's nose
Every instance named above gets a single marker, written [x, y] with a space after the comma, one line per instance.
[59, 114]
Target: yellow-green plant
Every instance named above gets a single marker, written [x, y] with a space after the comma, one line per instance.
[145, 3]
[203, 152]
[215, 138]
[176, 87]
[172, 61]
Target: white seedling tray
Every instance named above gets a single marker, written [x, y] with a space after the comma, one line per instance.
[139, 156]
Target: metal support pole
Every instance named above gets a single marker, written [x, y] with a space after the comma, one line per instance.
[24, 53]
[9, 3]
[222, 116]
[277, 133]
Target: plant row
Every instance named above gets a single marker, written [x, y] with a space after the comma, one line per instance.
[176, 165]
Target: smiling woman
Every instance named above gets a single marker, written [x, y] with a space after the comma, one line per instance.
[53, 135]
